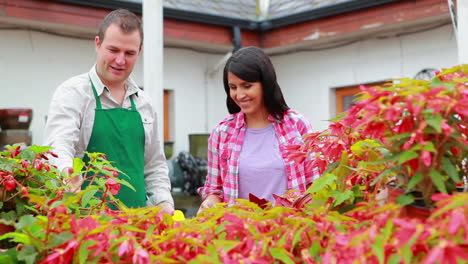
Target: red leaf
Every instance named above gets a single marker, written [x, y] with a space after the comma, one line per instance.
[434, 255]
[456, 220]
[262, 203]
[281, 201]
[462, 107]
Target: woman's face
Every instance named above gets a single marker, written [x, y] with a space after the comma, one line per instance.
[247, 95]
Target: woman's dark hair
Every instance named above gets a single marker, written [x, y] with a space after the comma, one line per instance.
[251, 64]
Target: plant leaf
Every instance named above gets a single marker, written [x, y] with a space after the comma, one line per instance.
[405, 199]
[340, 197]
[281, 254]
[26, 220]
[394, 259]
[39, 149]
[28, 254]
[321, 183]
[406, 156]
[89, 193]
[435, 121]
[59, 239]
[438, 180]
[450, 169]
[78, 165]
[84, 252]
[378, 249]
[9, 256]
[414, 180]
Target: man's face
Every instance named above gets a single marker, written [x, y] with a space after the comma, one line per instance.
[116, 55]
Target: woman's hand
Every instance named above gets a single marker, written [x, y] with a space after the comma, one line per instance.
[209, 202]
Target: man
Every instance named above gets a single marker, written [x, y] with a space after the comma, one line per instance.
[105, 111]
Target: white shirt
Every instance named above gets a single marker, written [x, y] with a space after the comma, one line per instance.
[70, 123]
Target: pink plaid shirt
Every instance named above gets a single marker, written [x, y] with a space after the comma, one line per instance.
[224, 146]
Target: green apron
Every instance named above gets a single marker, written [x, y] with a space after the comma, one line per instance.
[120, 135]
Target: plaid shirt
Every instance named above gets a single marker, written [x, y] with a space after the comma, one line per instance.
[224, 146]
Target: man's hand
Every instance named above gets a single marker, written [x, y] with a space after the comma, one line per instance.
[75, 182]
[166, 207]
[209, 202]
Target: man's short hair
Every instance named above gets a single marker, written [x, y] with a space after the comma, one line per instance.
[126, 20]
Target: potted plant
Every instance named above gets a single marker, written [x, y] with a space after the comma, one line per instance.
[412, 134]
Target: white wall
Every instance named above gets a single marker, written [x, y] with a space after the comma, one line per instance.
[33, 64]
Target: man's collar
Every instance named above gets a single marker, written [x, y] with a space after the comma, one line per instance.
[132, 87]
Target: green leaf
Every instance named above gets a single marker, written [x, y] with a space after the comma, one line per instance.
[430, 147]
[436, 82]
[407, 253]
[340, 197]
[26, 220]
[407, 155]
[50, 185]
[315, 249]
[39, 149]
[321, 183]
[28, 254]
[378, 250]
[438, 180]
[435, 121]
[59, 239]
[450, 169]
[124, 182]
[405, 199]
[9, 256]
[414, 180]
[394, 259]
[78, 165]
[225, 244]
[89, 193]
[16, 237]
[281, 254]
[83, 252]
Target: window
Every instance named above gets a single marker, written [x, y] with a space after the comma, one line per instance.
[167, 114]
[345, 96]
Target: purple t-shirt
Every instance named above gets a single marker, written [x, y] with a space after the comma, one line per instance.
[261, 167]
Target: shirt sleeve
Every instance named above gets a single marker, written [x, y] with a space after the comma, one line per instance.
[304, 127]
[157, 182]
[213, 183]
[63, 124]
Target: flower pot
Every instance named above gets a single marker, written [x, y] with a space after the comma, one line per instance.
[416, 210]
[15, 118]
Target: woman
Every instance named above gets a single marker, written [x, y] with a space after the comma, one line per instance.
[245, 150]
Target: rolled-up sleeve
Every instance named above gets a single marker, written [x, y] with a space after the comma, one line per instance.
[62, 129]
[213, 183]
[157, 182]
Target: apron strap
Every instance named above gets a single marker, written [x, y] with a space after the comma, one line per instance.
[133, 104]
[98, 100]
